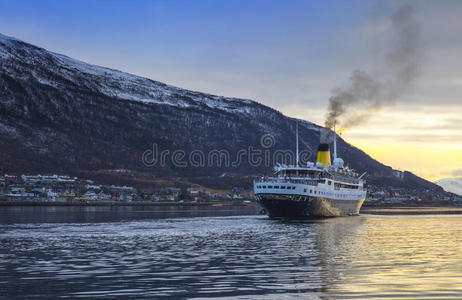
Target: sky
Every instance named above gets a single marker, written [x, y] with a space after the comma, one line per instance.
[289, 55]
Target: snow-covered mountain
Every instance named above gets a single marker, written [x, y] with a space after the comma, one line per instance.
[58, 114]
[109, 82]
[453, 185]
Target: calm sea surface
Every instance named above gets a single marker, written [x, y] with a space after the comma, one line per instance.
[172, 253]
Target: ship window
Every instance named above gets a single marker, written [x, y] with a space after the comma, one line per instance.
[304, 190]
[283, 187]
[311, 191]
[330, 182]
[270, 187]
[276, 186]
[264, 186]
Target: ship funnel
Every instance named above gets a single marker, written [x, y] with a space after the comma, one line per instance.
[323, 155]
[323, 149]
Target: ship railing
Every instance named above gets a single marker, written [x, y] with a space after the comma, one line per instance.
[339, 177]
[286, 180]
[311, 181]
[345, 179]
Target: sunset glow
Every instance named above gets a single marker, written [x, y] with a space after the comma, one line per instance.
[427, 141]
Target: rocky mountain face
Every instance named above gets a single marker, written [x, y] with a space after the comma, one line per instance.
[61, 115]
[452, 185]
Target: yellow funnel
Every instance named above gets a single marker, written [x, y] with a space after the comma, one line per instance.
[323, 155]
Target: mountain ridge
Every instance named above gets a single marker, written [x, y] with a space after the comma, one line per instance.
[59, 114]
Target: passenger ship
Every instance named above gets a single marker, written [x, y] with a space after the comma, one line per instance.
[318, 189]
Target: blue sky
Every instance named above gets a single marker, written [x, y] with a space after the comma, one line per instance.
[285, 54]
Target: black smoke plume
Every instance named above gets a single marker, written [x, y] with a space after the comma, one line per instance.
[365, 94]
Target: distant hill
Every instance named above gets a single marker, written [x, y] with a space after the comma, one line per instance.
[453, 185]
[61, 115]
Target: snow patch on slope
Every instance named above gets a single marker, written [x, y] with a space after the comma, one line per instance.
[453, 185]
[134, 88]
[117, 84]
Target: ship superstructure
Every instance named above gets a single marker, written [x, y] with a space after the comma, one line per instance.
[317, 189]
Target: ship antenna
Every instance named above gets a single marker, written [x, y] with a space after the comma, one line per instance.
[335, 143]
[296, 150]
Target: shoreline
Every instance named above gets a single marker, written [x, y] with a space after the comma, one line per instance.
[176, 204]
[373, 210]
[412, 210]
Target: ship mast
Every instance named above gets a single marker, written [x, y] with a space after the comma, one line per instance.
[296, 150]
[335, 143]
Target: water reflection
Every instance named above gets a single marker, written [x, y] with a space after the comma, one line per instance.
[392, 256]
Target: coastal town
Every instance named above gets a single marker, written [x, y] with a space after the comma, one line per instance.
[63, 189]
[381, 196]
[73, 190]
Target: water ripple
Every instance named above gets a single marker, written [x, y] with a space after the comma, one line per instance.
[237, 257]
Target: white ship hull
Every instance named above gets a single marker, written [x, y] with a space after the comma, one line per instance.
[304, 198]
